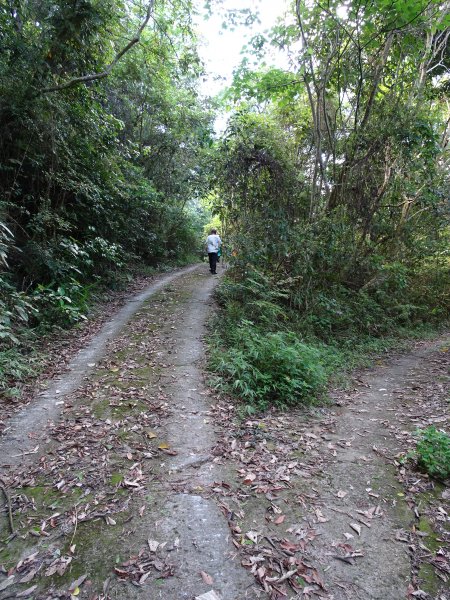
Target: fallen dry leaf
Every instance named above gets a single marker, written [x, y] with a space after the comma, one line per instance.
[58, 566]
[356, 527]
[153, 545]
[320, 517]
[26, 593]
[252, 536]
[207, 578]
[169, 451]
[29, 576]
[76, 584]
[6, 583]
[208, 596]
[144, 578]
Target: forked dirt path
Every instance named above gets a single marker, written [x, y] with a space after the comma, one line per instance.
[333, 509]
[130, 479]
[93, 468]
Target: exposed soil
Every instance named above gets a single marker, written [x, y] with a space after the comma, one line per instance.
[23, 426]
[51, 354]
[331, 499]
[129, 478]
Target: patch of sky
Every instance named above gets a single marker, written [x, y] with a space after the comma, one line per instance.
[221, 47]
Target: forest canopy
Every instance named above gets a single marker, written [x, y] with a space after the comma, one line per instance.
[102, 140]
[330, 181]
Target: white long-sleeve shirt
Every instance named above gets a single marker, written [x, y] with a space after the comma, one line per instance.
[213, 243]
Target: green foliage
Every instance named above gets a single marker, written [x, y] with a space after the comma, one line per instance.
[332, 173]
[6, 238]
[95, 178]
[329, 270]
[16, 310]
[269, 369]
[15, 367]
[62, 305]
[433, 452]
[255, 354]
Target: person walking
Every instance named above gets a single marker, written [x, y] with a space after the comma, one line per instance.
[213, 243]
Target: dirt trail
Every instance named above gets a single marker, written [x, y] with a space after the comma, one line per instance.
[18, 437]
[124, 454]
[145, 485]
[359, 489]
[329, 508]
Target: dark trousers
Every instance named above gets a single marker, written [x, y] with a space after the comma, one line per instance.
[212, 261]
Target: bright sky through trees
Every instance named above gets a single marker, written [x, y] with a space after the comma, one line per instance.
[221, 48]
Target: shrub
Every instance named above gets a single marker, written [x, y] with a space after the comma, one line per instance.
[271, 369]
[15, 311]
[433, 452]
[64, 304]
[15, 367]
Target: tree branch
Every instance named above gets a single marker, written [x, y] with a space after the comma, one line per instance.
[107, 71]
[376, 79]
[315, 110]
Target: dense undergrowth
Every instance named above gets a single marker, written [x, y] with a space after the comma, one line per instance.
[433, 453]
[265, 352]
[332, 180]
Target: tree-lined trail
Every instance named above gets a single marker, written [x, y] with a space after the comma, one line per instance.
[196, 447]
[142, 482]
